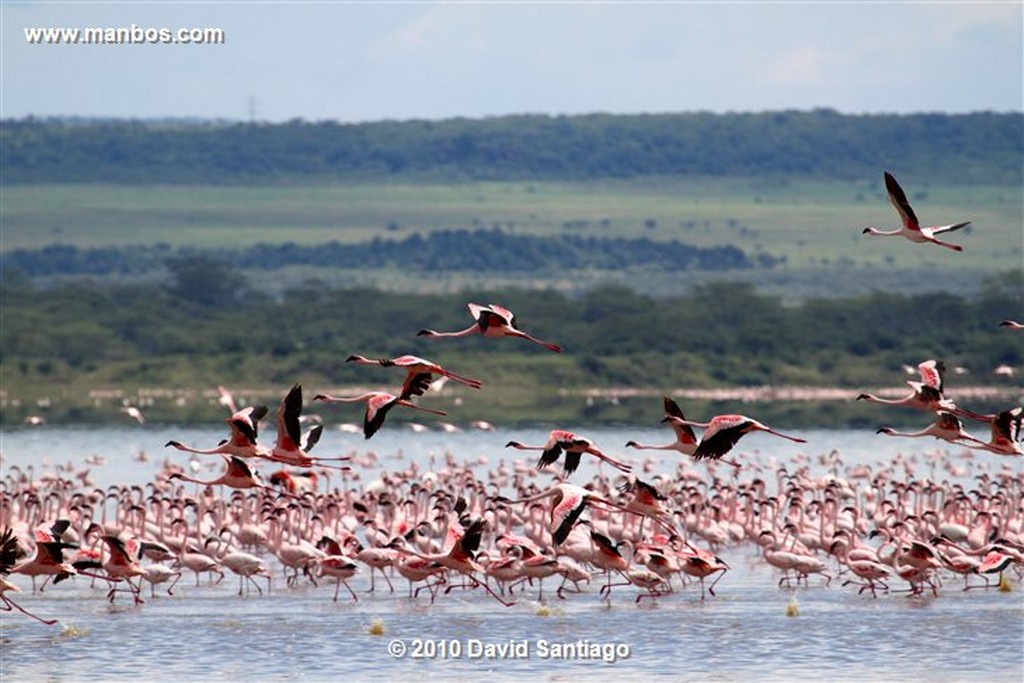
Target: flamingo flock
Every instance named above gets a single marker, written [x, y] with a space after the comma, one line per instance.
[893, 527]
[501, 534]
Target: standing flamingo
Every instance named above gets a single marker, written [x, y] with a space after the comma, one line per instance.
[492, 321]
[574, 446]
[415, 367]
[722, 433]
[378, 403]
[686, 440]
[911, 228]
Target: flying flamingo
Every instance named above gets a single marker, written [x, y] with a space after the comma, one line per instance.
[686, 440]
[574, 446]
[912, 229]
[8, 556]
[947, 427]
[1012, 324]
[292, 448]
[927, 394]
[722, 433]
[568, 503]
[1006, 428]
[244, 426]
[378, 403]
[238, 475]
[415, 368]
[460, 558]
[492, 321]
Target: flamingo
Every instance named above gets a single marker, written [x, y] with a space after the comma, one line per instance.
[135, 414]
[415, 368]
[238, 475]
[378, 403]
[574, 446]
[123, 564]
[8, 557]
[722, 433]
[244, 426]
[1006, 428]
[947, 427]
[686, 440]
[927, 394]
[48, 561]
[567, 504]
[912, 229]
[1012, 324]
[460, 557]
[492, 321]
[292, 448]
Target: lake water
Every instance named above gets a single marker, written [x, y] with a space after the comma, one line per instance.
[743, 634]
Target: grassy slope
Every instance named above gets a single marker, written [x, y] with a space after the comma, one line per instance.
[813, 223]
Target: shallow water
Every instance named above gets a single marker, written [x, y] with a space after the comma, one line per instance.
[741, 634]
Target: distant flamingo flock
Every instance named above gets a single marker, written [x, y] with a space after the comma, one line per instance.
[900, 526]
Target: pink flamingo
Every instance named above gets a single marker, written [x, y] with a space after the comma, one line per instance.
[8, 557]
[567, 504]
[927, 394]
[947, 427]
[123, 564]
[911, 228]
[686, 441]
[722, 433]
[378, 403]
[292, 448]
[1006, 427]
[242, 443]
[416, 368]
[492, 321]
[1012, 324]
[460, 558]
[574, 446]
[238, 475]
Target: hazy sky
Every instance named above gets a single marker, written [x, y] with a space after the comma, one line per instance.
[358, 61]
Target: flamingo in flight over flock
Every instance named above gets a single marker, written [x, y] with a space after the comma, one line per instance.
[927, 394]
[492, 321]
[244, 426]
[912, 229]
[378, 403]
[946, 427]
[574, 446]
[418, 371]
[722, 433]
[686, 440]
